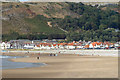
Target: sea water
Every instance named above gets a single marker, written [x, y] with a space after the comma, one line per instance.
[7, 64]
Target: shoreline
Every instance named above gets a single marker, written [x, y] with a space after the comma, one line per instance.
[11, 64]
[65, 66]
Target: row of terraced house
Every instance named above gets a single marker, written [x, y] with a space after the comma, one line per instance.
[54, 44]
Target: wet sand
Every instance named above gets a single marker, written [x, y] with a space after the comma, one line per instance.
[65, 66]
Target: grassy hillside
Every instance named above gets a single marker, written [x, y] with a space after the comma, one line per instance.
[39, 24]
[21, 17]
[74, 21]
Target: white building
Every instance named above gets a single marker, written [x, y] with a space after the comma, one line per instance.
[29, 46]
[70, 46]
[96, 45]
[79, 47]
[116, 45]
[4, 45]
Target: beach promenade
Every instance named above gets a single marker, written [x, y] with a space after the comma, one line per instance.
[65, 66]
[80, 52]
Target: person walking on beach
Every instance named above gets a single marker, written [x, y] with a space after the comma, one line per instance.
[50, 54]
[38, 57]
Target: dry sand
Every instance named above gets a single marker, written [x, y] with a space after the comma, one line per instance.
[66, 66]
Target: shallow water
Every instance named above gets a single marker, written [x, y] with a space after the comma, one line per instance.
[6, 64]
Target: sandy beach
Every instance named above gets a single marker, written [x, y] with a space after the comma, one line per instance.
[65, 66]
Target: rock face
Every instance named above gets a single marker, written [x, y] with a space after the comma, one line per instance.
[49, 24]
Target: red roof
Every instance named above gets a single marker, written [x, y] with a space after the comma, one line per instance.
[38, 45]
[86, 46]
[70, 44]
[54, 44]
[63, 44]
[96, 43]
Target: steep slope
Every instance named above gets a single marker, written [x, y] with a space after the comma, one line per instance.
[15, 16]
[74, 21]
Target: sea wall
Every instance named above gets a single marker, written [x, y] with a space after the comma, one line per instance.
[86, 52]
[80, 52]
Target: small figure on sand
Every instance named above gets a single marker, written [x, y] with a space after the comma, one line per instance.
[50, 54]
[38, 57]
[53, 54]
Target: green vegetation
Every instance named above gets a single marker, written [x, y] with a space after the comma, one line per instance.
[39, 24]
[34, 36]
[93, 23]
[39, 30]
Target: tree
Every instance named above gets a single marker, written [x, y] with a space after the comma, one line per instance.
[102, 26]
